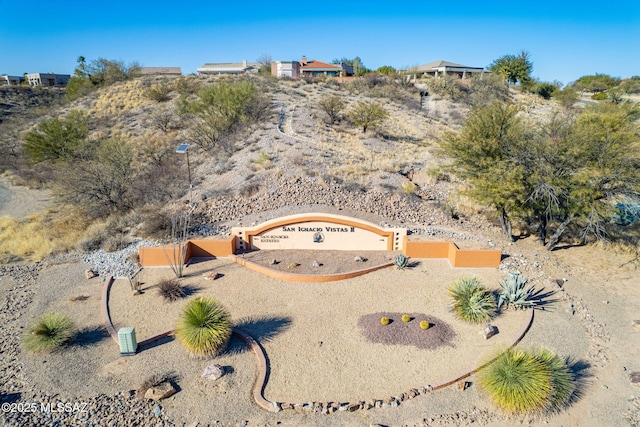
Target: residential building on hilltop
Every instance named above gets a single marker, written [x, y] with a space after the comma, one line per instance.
[10, 80]
[160, 71]
[316, 68]
[229, 68]
[282, 69]
[445, 68]
[47, 79]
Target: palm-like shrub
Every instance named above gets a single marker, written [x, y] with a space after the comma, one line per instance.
[49, 332]
[562, 380]
[527, 382]
[515, 292]
[472, 302]
[204, 326]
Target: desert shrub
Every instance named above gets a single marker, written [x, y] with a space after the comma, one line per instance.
[515, 292]
[159, 92]
[116, 242]
[171, 290]
[424, 325]
[599, 96]
[401, 262]
[472, 302]
[406, 318]
[408, 187]
[527, 382]
[49, 332]
[384, 321]
[93, 238]
[204, 326]
[156, 222]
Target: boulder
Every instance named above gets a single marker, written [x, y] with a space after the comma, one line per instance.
[213, 372]
[90, 274]
[160, 391]
[489, 331]
[634, 377]
[211, 275]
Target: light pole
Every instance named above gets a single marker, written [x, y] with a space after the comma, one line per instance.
[182, 149]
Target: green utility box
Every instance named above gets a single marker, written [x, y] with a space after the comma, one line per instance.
[127, 340]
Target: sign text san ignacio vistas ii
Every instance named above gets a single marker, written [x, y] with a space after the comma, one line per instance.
[319, 235]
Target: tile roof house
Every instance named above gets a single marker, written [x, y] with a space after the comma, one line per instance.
[229, 68]
[445, 68]
[317, 68]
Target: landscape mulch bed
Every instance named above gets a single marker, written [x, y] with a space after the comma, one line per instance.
[406, 333]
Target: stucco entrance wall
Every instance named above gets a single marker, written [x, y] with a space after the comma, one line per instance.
[318, 231]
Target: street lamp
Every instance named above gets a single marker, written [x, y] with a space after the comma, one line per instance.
[182, 149]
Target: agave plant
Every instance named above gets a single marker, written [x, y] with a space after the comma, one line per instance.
[204, 326]
[472, 302]
[49, 332]
[401, 262]
[515, 292]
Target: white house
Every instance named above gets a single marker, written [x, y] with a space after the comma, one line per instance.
[229, 68]
[10, 80]
[282, 69]
[445, 68]
[47, 79]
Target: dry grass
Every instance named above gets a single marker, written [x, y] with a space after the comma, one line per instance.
[38, 236]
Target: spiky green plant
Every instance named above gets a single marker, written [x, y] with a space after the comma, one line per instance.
[472, 302]
[562, 379]
[518, 382]
[401, 261]
[49, 332]
[204, 326]
[515, 292]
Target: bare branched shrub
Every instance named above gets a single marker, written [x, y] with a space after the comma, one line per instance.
[171, 290]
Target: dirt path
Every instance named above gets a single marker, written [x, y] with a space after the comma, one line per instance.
[19, 201]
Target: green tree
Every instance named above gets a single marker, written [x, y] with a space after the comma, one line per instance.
[484, 155]
[513, 68]
[386, 70]
[564, 174]
[56, 139]
[367, 114]
[596, 83]
[566, 96]
[219, 109]
[332, 105]
[359, 69]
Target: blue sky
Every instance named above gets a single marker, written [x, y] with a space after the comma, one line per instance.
[565, 39]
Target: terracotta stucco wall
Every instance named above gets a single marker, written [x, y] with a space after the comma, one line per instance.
[476, 258]
[160, 257]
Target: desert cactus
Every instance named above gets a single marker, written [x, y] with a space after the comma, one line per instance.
[424, 325]
[384, 321]
[406, 318]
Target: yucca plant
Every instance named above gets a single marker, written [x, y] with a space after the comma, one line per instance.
[401, 262]
[204, 326]
[472, 302]
[562, 379]
[49, 332]
[528, 381]
[515, 292]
